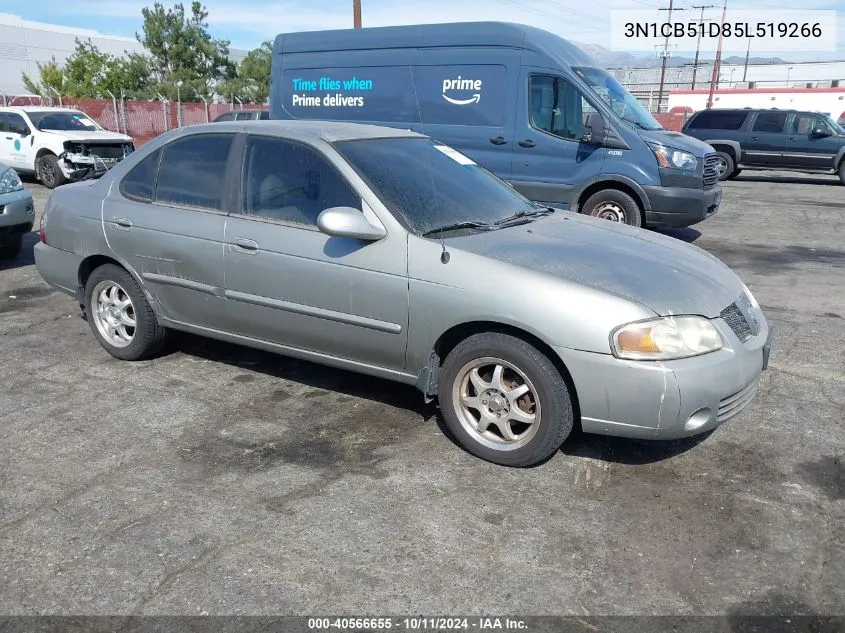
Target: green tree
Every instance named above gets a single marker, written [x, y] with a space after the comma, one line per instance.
[50, 77]
[182, 50]
[254, 72]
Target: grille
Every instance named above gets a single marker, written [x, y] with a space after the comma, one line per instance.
[711, 172]
[736, 320]
[732, 405]
[107, 151]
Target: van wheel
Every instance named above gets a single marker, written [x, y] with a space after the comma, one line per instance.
[10, 248]
[49, 171]
[725, 165]
[842, 172]
[120, 316]
[504, 400]
[613, 205]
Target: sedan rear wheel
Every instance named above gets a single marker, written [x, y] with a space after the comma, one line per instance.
[504, 400]
[120, 316]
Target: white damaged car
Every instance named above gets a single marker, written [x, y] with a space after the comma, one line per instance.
[58, 145]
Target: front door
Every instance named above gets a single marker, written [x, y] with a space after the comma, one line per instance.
[549, 160]
[764, 144]
[808, 151]
[166, 220]
[290, 284]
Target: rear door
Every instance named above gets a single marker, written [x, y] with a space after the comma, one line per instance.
[549, 159]
[165, 219]
[291, 284]
[766, 141]
[808, 151]
[470, 105]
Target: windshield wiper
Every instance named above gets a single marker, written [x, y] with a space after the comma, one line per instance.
[459, 225]
[524, 214]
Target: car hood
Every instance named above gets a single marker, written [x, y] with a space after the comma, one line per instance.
[664, 274]
[95, 136]
[677, 140]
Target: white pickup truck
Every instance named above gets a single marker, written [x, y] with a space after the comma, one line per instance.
[58, 145]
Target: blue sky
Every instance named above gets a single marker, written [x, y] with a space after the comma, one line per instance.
[247, 22]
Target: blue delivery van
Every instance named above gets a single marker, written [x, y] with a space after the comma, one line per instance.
[528, 105]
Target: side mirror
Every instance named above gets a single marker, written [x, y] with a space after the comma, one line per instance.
[595, 129]
[24, 132]
[819, 132]
[348, 222]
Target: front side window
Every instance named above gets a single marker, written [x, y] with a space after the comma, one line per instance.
[13, 124]
[264, 115]
[228, 116]
[427, 185]
[770, 122]
[291, 182]
[192, 172]
[806, 123]
[557, 107]
[63, 121]
[139, 183]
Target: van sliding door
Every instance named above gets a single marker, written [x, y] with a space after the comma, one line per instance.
[470, 105]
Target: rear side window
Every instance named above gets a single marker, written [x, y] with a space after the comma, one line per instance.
[291, 182]
[192, 171]
[718, 120]
[139, 183]
[770, 122]
[462, 95]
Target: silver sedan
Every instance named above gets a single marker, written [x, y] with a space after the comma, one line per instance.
[385, 252]
[16, 212]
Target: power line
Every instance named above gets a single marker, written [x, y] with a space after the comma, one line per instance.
[698, 42]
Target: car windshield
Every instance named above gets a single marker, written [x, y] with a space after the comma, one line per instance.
[837, 128]
[429, 186]
[64, 121]
[622, 102]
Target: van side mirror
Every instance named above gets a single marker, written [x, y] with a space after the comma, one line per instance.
[819, 132]
[348, 222]
[595, 129]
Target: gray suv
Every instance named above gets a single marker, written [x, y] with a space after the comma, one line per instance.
[788, 140]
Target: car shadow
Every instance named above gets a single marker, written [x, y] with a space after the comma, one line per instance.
[789, 180]
[686, 234]
[632, 452]
[27, 255]
[348, 383]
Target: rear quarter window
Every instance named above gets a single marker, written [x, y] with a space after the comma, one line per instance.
[139, 183]
[718, 120]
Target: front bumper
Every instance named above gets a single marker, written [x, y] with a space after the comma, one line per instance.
[77, 167]
[680, 206]
[17, 213]
[672, 399]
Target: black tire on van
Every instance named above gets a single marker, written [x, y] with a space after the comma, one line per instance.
[613, 205]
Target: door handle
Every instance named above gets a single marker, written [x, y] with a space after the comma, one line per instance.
[10, 137]
[498, 140]
[755, 138]
[527, 143]
[244, 245]
[122, 223]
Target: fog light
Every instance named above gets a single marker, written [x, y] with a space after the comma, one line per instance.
[29, 209]
[698, 419]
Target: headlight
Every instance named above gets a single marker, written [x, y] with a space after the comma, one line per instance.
[666, 338]
[10, 182]
[674, 158]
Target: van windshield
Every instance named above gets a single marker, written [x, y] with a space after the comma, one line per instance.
[430, 187]
[622, 102]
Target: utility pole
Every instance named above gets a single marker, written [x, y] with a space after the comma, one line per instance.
[718, 62]
[665, 57]
[747, 54]
[698, 43]
[356, 14]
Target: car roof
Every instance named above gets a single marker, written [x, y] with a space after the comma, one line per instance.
[329, 131]
[36, 109]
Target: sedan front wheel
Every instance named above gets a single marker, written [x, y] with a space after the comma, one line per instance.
[504, 400]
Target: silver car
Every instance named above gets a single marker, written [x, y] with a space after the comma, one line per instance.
[16, 212]
[385, 252]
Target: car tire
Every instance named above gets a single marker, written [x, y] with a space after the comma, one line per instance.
[734, 174]
[49, 172]
[10, 248]
[506, 383]
[613, 205]
[727, 166]
[842, 172]
[127, 331]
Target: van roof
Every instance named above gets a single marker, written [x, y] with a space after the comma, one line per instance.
[495, 34]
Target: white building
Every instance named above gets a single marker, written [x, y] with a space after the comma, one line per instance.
[23, 44]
